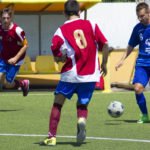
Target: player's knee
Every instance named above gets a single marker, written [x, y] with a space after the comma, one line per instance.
[1, 81]
[59, 99]
[138, 88]
[8, 84]
[82, 106]
[1, 78]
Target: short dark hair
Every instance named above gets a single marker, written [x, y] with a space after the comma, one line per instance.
[7, 10]
[142, 5]
[71, 7]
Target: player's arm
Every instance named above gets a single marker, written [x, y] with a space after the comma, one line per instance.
[105, 52]
[59, 52]
[133, 42]
[125, 55]
[103, 46]
[23, 49]
[14, 59]
[23, 41]
[60, 59]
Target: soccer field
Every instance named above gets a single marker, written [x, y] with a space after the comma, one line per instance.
[24, 123]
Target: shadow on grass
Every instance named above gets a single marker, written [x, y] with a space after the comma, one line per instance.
[9, 110]
[74, 144]
[130, 121]
[118, 122]
[134, 121]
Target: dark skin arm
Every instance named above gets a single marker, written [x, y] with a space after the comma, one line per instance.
[105, 52]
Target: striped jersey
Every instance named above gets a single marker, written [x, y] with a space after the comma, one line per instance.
[11, 42]
[80, 40]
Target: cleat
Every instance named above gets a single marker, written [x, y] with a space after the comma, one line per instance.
[49, 142]
[25, 87]
[143, 119]
[81, 131]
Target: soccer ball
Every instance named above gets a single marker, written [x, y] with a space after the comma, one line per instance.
[115, 109]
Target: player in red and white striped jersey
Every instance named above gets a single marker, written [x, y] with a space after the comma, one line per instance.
[76, 43]
[13, 49]
[81, 40]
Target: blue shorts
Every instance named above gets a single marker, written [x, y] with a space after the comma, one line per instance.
[141, 75]
[84, 90]
[10, 71]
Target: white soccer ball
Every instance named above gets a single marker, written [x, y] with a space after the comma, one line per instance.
[115, 109]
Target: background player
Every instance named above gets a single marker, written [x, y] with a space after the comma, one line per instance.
[140, 36]
[13, 49]
[76, 43]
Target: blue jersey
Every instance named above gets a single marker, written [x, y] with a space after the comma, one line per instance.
[141, 36]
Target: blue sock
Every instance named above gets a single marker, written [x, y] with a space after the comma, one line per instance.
[141, 101]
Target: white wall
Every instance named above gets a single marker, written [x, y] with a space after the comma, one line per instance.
[39, 31]
[49, 24]
[116, 20]
[30, 25]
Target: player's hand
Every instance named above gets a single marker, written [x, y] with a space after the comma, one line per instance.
[63, 58]
[103, 69]
[118, 65]
[60, 59]
[12, 61]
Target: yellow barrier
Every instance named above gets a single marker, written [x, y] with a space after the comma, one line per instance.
[26, 67]
[45, 64]
[123, 75]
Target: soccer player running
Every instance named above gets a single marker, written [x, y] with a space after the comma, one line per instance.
[76, 43]
[13, 49]
[140, 36]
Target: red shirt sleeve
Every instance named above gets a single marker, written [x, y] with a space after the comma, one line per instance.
[100, 38]
[57, 42]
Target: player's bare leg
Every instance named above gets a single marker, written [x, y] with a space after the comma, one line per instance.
[2, 76]
[24, 84]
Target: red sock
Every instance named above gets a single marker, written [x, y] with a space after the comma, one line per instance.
[82, 111]
[54, 119]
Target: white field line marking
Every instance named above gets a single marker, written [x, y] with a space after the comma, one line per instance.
[91, 138]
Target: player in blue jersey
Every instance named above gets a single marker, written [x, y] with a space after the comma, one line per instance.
[140, 36]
